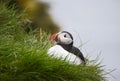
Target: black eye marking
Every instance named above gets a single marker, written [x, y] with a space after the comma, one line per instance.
[65, 35]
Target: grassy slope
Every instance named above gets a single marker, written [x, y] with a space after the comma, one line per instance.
[23, 58]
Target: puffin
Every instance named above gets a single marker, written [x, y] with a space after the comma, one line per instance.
[64, 48]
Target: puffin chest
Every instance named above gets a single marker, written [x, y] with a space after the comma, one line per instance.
[58, 51]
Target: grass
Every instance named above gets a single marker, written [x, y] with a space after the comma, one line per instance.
[24, 58]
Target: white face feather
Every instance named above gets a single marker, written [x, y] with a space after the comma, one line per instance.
[65, 38]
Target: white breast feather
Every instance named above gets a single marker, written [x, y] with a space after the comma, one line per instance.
[58, 52]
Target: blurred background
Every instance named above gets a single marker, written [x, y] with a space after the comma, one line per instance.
[96, 25]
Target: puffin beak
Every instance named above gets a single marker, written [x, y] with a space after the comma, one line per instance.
[52, 37]
[55, 38]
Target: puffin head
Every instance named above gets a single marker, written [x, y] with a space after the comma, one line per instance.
[63, 37]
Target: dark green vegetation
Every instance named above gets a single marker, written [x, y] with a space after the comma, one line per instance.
[24, 58]
[36, 14]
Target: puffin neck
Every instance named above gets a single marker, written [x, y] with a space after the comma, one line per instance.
[66, 47]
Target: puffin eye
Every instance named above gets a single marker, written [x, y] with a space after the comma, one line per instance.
[65, 35]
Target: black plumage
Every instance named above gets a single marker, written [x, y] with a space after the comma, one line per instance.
[74, 50]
